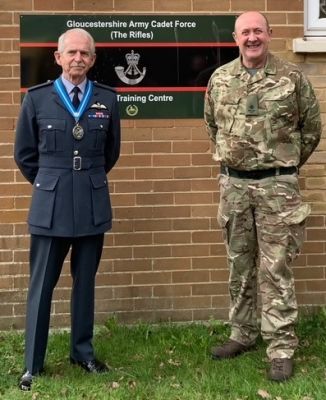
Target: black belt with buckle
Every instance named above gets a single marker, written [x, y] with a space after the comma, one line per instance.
[257, 174]
[76, 163]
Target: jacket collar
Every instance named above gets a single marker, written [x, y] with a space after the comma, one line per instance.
[238, 69]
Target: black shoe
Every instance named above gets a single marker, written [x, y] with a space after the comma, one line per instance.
[25, 382]
[93, 366]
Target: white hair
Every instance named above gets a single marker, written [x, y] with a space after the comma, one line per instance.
[61, 40]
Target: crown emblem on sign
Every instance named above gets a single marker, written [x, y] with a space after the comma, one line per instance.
[132, 58]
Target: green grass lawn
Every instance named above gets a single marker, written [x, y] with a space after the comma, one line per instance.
[169, 362]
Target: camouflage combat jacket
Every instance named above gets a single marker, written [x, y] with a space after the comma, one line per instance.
[287, 125]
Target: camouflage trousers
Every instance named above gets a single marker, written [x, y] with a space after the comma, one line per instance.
[263, 225]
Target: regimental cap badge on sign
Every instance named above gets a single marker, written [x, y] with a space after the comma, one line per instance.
[132, 74]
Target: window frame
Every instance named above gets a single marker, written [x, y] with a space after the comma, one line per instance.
[313, 25]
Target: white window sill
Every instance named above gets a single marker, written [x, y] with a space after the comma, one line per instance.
[309, 45]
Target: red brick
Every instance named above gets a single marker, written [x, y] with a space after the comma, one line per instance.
[221, 302]
[153, 225]
[172, 134]
[114, 305]
[190, 276]
[191, 147]
[209, 289]
[133, 212]
[255, 5]
[6, 17]
[171, 186]
[193, 198]
[123, 199]
[132, 292]
[53, 5]
[135, 5]
[134, 160]
[311, 298]
[153, 303]
[152, 252]
[193, 250]
[103, 5]
[191, 224]
[311, 273]
[172, 290]
[172, 237]
[6, 203]
[172, 5]
[154, 198]
[192, 302]
[121, 174]
[154, 173]
[21, 5]
[164, 264]
[171, 160]
[151, 278]
[209, 313]
[133, 238]
[207, 5]
[288, 32]
[206, 237]
[278, 5]
[295, 18]
[154, 147]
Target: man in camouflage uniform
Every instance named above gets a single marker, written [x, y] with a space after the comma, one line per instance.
[263, 116]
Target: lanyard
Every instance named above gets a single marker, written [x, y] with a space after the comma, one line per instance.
[67, 102]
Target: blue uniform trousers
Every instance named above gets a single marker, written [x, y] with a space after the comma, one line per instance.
[47, 255]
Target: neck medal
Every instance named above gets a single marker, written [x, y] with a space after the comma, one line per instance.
[77, 131]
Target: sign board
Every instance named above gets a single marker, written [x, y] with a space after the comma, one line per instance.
[158, 64]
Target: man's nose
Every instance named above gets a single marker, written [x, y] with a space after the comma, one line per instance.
[252, 36]
[78, 56]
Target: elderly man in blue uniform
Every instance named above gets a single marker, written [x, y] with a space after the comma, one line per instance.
[67, 140]
[263, 116]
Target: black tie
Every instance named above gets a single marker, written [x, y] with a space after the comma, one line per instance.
[75, 99]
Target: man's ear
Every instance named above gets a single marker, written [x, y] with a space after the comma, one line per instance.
[94, 59]
[57, 57]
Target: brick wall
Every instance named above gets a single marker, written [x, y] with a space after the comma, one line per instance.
[164, 259]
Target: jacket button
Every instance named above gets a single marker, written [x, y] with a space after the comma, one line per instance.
[75, 152]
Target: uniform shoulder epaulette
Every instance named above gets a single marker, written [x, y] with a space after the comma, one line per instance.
[44, 84]
[103, 86]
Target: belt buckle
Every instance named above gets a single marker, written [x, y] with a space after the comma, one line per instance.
[77, 163]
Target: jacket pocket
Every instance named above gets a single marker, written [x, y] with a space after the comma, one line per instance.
[98, 129]
[52, 134]
[100, 199]
[281, 105]
[43, 200]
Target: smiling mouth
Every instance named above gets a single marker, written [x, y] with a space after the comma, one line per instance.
[253, 46]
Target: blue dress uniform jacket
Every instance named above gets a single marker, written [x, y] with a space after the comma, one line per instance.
[70, 187]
